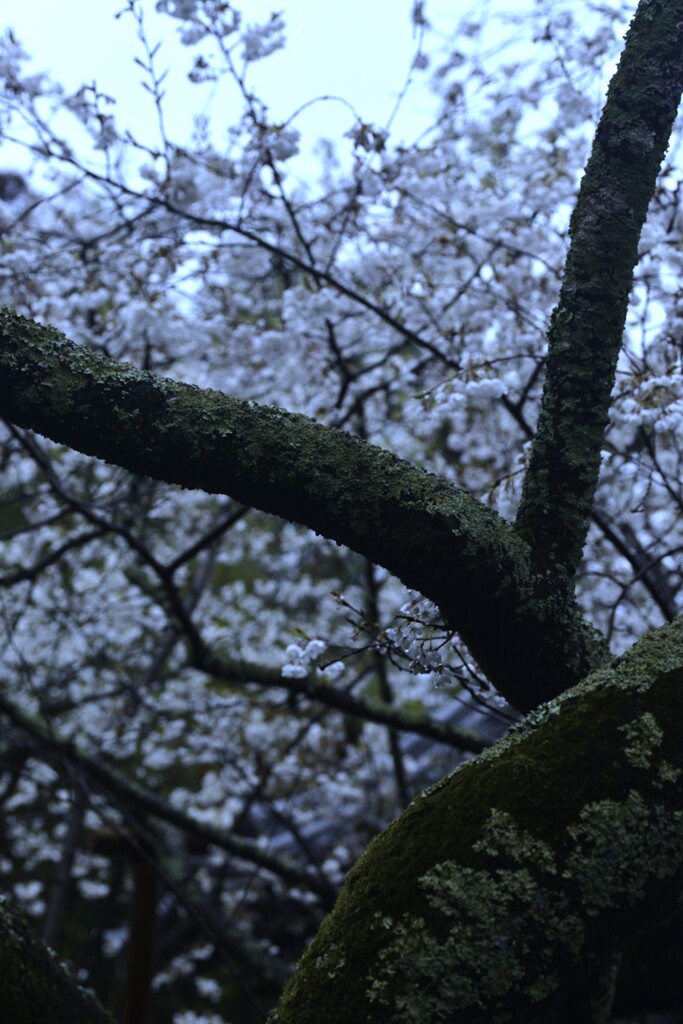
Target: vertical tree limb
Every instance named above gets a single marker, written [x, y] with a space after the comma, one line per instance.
[587, 324]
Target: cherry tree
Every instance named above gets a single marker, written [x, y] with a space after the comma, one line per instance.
[312, 472]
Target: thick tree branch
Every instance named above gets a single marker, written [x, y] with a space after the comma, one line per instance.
[439, 540]
[588, 322]
[544, 855]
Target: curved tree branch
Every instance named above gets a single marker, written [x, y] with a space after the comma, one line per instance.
[588, 322]
[438, 539]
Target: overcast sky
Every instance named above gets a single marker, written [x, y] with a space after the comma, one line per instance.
[359, 49]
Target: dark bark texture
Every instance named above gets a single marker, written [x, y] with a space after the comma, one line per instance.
[504, 893]
[588, 322]
[36, 987]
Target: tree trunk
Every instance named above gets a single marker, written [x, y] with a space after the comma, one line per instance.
[505, 892]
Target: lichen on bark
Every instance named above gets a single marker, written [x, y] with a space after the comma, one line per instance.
[435, 537]
[543, 855]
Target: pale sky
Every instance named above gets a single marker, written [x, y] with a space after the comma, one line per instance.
[359, 49]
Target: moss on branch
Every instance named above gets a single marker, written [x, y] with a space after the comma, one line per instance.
[438, 539]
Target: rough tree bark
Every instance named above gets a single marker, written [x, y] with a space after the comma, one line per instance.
[588, 322]
[437, 539]
[504, 893]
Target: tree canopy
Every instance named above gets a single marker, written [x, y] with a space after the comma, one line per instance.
[309, 492]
